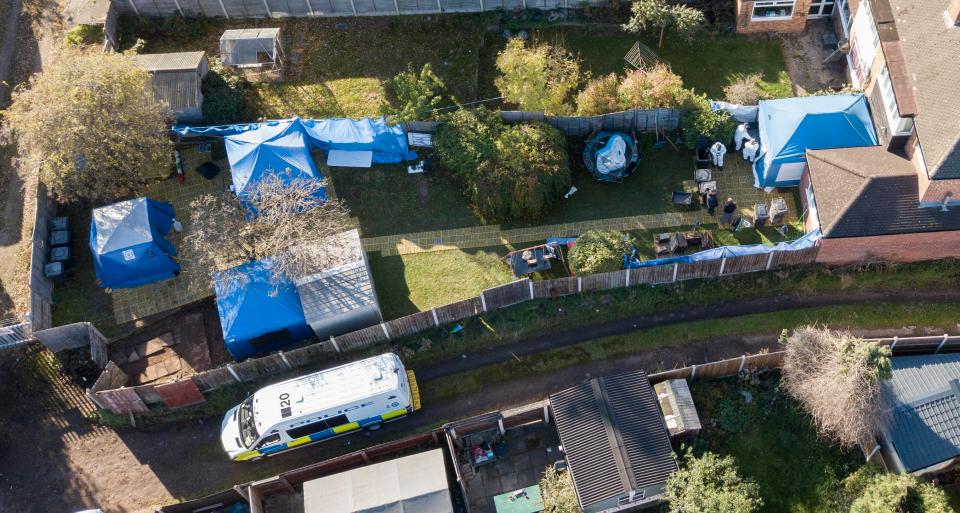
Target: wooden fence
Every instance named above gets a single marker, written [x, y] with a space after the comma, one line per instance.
[636, 120]
[502, 296]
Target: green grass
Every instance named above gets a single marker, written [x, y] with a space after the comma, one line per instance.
[773, 443]
[933, 315]
[415, 282]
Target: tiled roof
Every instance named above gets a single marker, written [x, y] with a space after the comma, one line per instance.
[869, 191]
[930, 51]
[923, 409]
[614, 437]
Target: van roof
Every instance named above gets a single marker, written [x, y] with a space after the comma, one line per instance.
[327, 389]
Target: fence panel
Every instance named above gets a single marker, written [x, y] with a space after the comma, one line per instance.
[213, 379]
[322, 8]
[548, 289]
[918, 345]
[459, 310]
[745, 264]
[507, 294]
[361, 339]
[410, 324]
[180, 394]
[121, 401]
[797, 257]
[604, 281]
[698, 270]
[41, 288]
[148, 393]
[307, 355]
[651, 275]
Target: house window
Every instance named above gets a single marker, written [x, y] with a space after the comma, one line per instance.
[820, 8]
[772, 10]
[845, 16]
[898, 125]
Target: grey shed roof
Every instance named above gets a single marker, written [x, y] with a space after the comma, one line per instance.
[412, 484]
[614, 437]
[178, 61]
[923, 409]
[343, 286]
[930, 51]
[677, 405]
[250, 33]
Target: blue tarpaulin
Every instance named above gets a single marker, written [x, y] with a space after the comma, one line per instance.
[790, 126]
[128, 244]
[807, 241]
[258, 316]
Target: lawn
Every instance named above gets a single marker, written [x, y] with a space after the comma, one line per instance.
[773, 443]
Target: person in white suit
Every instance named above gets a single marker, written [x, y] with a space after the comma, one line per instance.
[750, 148]
[741, 135]
[717, 151]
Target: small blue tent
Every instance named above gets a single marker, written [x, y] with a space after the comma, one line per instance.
[128, 244]
[258, 316]
[791, 126]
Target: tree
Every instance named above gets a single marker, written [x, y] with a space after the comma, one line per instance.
[599, 96]
[556, 489]
[837, 378]
[599, 251]
[223, 95]
[92, 127]
[289, 220]
[539, 78]
[711, 484]
[417, 94]
[869, 490]
[467, 139]
[654, 88]
[702, 122]
[744, 90]
[658, 15]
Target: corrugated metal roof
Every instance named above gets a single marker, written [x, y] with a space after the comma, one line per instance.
[613, 436]
[343, 286]
[923, 409]
[676, 403]
[179, 61]
[250, 33]
[180, 90]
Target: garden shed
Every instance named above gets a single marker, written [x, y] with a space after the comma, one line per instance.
[340, 298]
[791, 126]
[128, 243]
[251, 48]
[256, 315]
[177, 80]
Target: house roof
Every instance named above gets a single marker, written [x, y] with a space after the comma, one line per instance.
[930, 49]
[922, 401]
[614, 437]
[869, 191]
[178, 61]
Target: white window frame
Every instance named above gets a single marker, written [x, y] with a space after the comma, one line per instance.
[821, 5]
[866, 38]
[846, 17]
[773, 3]
[898, 125]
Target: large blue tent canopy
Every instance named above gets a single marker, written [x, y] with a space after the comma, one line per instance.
[791, 126]
[258, 316]
[128, 244]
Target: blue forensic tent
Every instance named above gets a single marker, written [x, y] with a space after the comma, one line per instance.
[258, 316]
[128, 244]
[791, 126]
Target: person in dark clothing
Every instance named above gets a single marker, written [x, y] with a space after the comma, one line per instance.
[729, 208]
[712, 202]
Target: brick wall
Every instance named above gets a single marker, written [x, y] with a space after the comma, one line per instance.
[913, 247]
[745, 25]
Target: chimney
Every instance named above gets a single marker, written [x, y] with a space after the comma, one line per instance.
[952, 15]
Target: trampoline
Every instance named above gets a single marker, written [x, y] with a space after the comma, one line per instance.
[611, 156]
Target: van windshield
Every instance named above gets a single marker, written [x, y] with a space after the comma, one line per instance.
[248, 428]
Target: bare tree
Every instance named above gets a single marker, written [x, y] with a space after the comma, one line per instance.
[289, 220]
[837, 377]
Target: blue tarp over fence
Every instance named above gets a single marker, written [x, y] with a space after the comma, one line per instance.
[807, 241]
[128, 244]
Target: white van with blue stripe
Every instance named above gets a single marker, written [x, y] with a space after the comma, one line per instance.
[319, 406]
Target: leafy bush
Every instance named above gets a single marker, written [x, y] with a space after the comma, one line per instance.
[599, 251]
[658, 16]
[745, 90]
[658, 87]
[599, 97]
[539, 78]
[897, 493]
[711, 484]
[84, 35]
[557, 491]
[223, 95]
[732, 415]
[507, 172]
[701, 121]
[416, 94]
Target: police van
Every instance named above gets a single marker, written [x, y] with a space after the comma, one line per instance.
[319, 406]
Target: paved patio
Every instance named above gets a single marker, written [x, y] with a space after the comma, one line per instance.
[193, 283]
[735, 180]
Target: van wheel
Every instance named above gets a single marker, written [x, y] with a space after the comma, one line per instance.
[374, 427]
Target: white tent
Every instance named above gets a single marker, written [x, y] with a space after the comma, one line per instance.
[412, 484]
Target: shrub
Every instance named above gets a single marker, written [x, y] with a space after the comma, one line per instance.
[84, 35]
[223, 95]
[711, 484]
[899, 493]
[599, 251]
[539, 78]
[557, 491]
[658, 87]
[417, 94]
[745, 90]
[599, 97]
[701, 121]
[507, 172]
